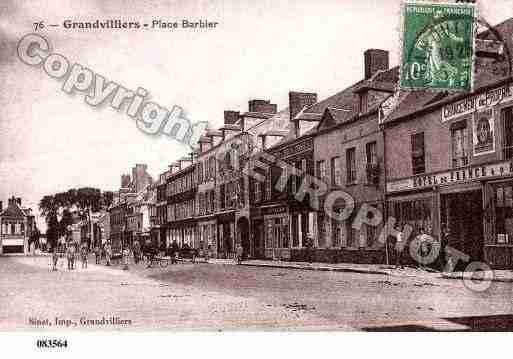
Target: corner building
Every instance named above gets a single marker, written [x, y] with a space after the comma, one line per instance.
[449, 162]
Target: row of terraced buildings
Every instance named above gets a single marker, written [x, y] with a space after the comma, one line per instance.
[440, 162]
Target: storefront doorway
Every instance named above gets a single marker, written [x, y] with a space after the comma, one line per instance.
[243, 232]
[462, 212]
[258, 238]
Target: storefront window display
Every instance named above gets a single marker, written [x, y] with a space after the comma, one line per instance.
[277, 232]
[504, 213]
[416, 213]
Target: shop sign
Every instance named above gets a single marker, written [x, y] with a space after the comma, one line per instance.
[478, 102]
[295, 149]
[274, 210]
[483, 138]
[466, 174]
[12, 242]
[226, 217]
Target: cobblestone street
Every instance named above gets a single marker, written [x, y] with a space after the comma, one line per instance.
[227, 297]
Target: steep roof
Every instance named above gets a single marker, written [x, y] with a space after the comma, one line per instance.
[411, 102]
[340, 105]
[13, 210]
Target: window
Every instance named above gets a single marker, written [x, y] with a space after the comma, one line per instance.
[228, 195]
[416, 213]
[417, 153]
[459, 144]
[212, 201]
[240, 192]
[362, 98]
[283, 177]
[212, 167]
[372, 163]
[339, 232]
[371, 152]
[222, 194]
[353, 240]
[335, 171]
[351, 165]
[295, 179]
[504, 213]
[507, 116]
[268, 184]
[321, 170]
[372, 235]
[323, 230]
[258, 191]
[303, 166]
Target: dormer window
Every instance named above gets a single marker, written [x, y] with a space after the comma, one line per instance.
[363, 101]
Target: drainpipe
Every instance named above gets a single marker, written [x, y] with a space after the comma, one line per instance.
[385, 206]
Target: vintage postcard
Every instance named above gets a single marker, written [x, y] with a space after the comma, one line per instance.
[255, 166]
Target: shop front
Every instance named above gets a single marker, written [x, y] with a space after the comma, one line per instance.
[471, 207]
[207, 234]
[226, 234]
[183, 233]
[498, 214]
[276, 231]
[257, 234]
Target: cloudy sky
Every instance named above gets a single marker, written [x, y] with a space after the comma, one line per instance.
[51, 141]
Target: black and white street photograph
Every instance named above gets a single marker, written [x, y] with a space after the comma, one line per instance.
[255, 167]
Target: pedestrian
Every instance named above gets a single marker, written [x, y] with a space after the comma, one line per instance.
[137, 251]
[108, 252]
[55, 258]
[73, 255]
[174, 252]
[423, 249]
[309, 247]
[126, 257]
[97, 253]
[151, 254]
[239, 253]
[228, 246]
[68, 256]
[207, 253]
[83, 255]
[201, 250]
[399, 249]
[445, 238]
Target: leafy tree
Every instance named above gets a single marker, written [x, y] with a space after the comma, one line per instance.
[52, 231]
[85, 200]
[107, 198]
[66, 220]
[48, 206]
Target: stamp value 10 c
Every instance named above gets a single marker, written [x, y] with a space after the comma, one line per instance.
[438, 46]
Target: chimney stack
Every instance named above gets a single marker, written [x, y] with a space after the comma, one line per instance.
[297, 101]
[18, 201]
[230, 117]
[1, 207]
[262, 106]
[374, 61]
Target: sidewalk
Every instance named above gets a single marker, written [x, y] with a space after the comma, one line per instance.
[500, 275]
[379, 269]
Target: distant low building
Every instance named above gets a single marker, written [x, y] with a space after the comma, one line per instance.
[17, 225]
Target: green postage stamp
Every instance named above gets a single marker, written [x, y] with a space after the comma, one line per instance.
[437, 46]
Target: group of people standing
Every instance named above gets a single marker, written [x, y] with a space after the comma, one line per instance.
[71, 251]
